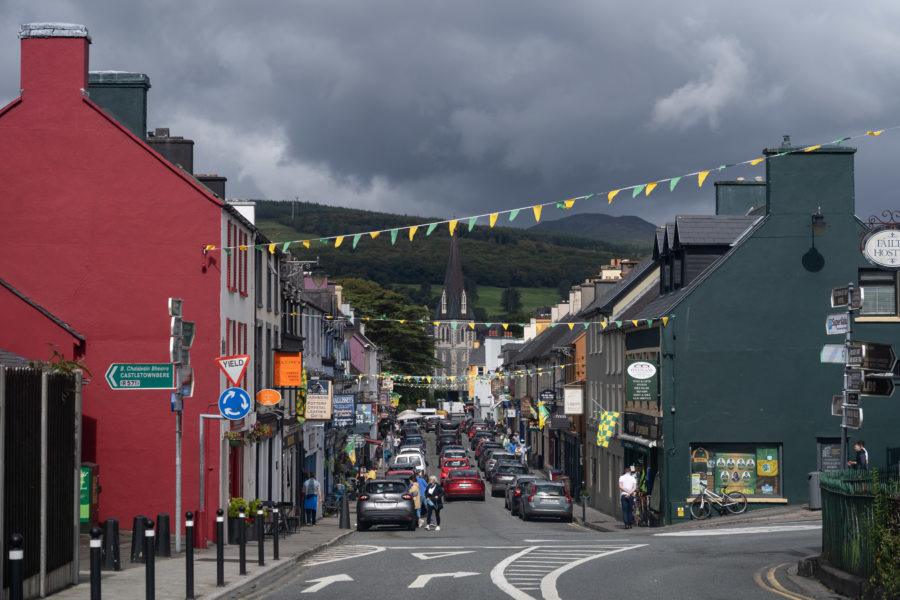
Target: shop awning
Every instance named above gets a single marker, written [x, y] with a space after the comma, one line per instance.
[371, 441]
[637, 440]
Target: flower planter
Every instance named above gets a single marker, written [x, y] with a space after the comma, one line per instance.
[234, 443]
[249, 530]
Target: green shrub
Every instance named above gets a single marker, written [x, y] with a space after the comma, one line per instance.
[886, 539]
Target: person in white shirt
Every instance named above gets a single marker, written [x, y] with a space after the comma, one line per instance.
[628, 487]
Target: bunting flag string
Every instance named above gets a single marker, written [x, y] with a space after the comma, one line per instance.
[636, 190]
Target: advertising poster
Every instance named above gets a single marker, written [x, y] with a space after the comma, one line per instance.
[318, 399]
[767, 471]
[343, 413]
[736, 472]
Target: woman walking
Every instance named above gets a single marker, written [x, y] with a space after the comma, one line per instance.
[434, 499]
[417, 501]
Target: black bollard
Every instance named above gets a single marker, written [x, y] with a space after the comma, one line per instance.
[242, 543]
[110, 555]
[163, 536]
[189, 555]
[345, 513]
[150, 570]
[96, 550]
[260, 537]
[220, 548]
[15, 571]
[137, 539]
[277, 520]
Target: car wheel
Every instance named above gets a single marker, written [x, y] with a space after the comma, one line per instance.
[412, 526]
[362, 527]
[524, 516]
[568, 519]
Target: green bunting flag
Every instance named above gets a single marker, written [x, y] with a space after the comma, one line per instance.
[394, 236]
[454, 325]
[637, 190]
[324, 241]
[513, 214]
[673, 182]
[472, 223]
[618, 324]
[431, 228]
[356, 239]
[227, 251]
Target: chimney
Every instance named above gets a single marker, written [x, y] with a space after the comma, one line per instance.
[54, 60]
[123, 95]
[740, 196]
[174, 149]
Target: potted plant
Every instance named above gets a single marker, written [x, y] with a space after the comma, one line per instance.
[235, 438]
[235, 523]
[259, 432]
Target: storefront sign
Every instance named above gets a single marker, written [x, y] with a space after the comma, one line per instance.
[642, 425]
[288, 368]
[641, 381]
[573, 402]
[559, 422]
[343, 413]
[365, 418]
[548, 397]
[882, 248]
[318, 399]
[268, 397]
[836, 324]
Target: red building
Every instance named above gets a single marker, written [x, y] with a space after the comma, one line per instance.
[99, 231]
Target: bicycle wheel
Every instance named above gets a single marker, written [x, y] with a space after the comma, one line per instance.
[736, 502]
[699, 509]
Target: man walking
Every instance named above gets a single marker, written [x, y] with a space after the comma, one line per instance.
[422, 486]
[628, 487]
[862, 457]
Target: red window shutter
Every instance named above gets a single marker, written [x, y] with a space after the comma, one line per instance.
[227, 336]
[228, 256]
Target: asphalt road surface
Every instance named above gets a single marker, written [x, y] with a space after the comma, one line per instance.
[483, 552]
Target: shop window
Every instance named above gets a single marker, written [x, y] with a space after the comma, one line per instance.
[879, 293]
[754, 469]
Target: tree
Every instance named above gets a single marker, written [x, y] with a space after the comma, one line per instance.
[511, 300]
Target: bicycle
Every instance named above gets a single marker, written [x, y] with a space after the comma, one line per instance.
[733, 502]
[331, 506]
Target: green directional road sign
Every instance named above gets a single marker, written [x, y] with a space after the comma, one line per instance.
[141, 376]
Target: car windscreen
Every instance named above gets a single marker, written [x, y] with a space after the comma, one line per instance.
[386, 487]
[463, 473]
[459, 462]
[403, 475]
[547, 489]
[500, 455]
[413, 439]
[455, 454]
[512, 469]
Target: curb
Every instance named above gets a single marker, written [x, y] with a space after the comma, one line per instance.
[842, 582]
[250, 581]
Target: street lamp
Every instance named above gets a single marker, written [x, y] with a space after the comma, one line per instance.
[818, 222]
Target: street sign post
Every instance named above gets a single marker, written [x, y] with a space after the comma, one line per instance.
[873, 356]
[188, 328]
[847, 296]
[853, 417]
[234, 403]
[141, 376]
[837, 324]
[881, 386]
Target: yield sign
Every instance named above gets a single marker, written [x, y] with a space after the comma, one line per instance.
[234, 367]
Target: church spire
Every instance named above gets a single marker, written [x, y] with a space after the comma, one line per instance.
[453, 303]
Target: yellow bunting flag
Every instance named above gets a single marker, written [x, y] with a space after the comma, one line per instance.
[634, 321]
[569, 203]
[650, 188]
[412, 231]
[306, 243]
[505, 325]
[811, 148]
[209, 247]
[756, 161]
[604, 324]
[665, 321]
[271, 248]
[571, 325]
[338, 241]
[701, 177]
[494, 218]
[875, 132]
[471, 325]
[374, 234]
[436, 323]
[612, 195]
[537, 212]
[401, 321]
[453, 225]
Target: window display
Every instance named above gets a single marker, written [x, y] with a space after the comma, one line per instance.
[748, 468]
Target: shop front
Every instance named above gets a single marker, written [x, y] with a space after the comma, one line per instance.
[641, 445]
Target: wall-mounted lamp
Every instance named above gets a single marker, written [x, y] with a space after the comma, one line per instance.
[818, 222]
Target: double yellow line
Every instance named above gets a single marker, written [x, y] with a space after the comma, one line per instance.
[765, 578]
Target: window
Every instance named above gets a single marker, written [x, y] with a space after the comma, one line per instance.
[749, 468]
[879, 293]
[462, 309]
[444, 302]
[228, 258]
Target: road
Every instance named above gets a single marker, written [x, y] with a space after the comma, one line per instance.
[483, 552]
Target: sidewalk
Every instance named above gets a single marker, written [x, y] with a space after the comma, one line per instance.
[171, 574]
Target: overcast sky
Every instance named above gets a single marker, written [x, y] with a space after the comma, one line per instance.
[451, 109]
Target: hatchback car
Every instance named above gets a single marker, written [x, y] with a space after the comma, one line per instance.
[503, 474]
[490, 457]
[399, 474]
[385, 502]
[454, 453]
[409, 461]
[444, 439]
[414, 440]
[542, 498]
[514, 491]
[453, 463]
[463, 483]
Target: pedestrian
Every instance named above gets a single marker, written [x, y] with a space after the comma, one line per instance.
[417, 498]
[434, 500]
[396, 443]
[862, 456]
[422, 486]
[379, 456]
[371, 474]
[628, 487]
[313, 494]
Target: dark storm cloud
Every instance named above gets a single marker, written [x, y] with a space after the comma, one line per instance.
[454, 109]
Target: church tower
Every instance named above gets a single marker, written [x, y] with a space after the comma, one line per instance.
[453, 345]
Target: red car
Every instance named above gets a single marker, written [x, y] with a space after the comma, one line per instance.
[452, 463]
[476, 428]
[463, 483]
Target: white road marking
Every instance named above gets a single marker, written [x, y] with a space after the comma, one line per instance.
[337, 553]
[422, 580]
[548, 583]
[321, 582]
[501, 582]
[430, 555]
[738, 530]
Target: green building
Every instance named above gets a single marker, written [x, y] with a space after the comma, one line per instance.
[740, 396]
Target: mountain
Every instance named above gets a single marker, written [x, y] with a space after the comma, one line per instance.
[498, 256]
[614, 230]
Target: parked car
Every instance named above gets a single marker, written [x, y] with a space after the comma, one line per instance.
[490, 457]
[514, 491]
[484, 446]
[453, 463]
[414, 440]
[385, 502]
[463, 483]
[454, 453]
[445, 439]
[503, 474]
[399, 474]
[542, 498]
[448, 447]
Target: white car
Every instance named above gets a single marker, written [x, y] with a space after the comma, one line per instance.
[411, 460]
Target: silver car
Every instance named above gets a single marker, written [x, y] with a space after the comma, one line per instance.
[503, 474]
[542, 498]
[514, 492]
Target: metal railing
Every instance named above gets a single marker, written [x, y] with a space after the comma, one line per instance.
[848, 510]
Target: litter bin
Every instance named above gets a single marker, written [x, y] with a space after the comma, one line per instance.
[815, 494]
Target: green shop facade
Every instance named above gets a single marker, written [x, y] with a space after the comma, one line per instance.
[741, 398]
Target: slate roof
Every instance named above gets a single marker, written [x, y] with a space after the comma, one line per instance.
[8, 359]
[711, 230]
[477, 356]
[605, 302]
[543, 343]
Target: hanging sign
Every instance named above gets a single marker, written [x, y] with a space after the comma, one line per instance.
[268, 397]
[641, 381]
[318, 399]
[882, 248]
[288, 369]
[835, 324]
